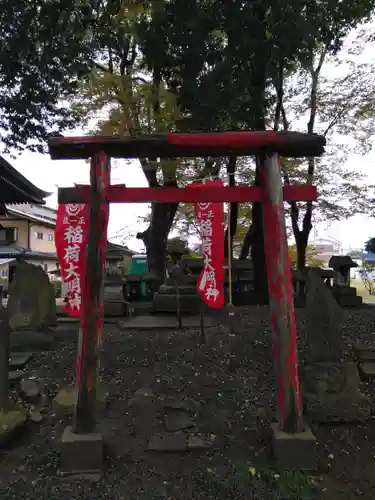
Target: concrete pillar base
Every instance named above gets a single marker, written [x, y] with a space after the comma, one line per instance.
[81, 453]
[294, 451]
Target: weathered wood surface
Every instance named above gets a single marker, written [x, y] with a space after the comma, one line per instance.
[84, 420]
[281, 301]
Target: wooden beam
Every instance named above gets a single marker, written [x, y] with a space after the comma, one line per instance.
[120, 194]
[243, 143]
[84, 421]
[281, 299]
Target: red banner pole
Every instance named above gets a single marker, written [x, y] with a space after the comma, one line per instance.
[281, 298]
[84, 420]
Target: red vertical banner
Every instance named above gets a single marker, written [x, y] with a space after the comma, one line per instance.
[70, 237]
[210, 220]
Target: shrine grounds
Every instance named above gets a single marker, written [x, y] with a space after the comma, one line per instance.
[225, 389]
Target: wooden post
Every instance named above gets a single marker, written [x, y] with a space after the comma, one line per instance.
[4, 358]
[84, 420]
[201, 322]
[281, 298]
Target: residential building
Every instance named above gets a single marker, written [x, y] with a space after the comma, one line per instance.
[27, 231]
[325, 248]
[16, 240]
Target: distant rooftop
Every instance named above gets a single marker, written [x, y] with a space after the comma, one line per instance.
[15, 188]
[14, 252]
[35, 213]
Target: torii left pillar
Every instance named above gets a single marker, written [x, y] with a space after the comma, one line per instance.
[82, 444]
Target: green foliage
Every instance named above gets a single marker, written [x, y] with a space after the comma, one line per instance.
[311, 256]
[44, 52]
[370, 245]
[367, 274]
[177, 246]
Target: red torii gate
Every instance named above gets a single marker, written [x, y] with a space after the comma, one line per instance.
[270, 193]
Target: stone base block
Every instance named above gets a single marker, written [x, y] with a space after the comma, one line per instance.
[11, 422]
[349, 300]
[294, 451]
[164, 303]
[81, 453]
[351, 407]
[365, 352]
[114, 309]
[367, 370]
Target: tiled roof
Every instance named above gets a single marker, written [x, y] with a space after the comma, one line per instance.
[36, 213]
[7, 252]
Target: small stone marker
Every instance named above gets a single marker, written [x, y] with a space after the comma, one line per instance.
[35, 416]
[11, 422]
[15, 376]
[365, 353]
[168, 442]
[19, 360]
[200, 442]
[178, 421]
[29, 340]
[142, 396]
[323, 318]
[367, 370]
[30, 390]
[31, 303]
[180, 442]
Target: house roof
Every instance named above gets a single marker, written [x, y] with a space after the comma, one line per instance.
[120, 248]
[15, 188]
[14, 252]
[34, 213]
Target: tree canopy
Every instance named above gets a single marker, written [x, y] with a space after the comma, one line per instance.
[44, 51]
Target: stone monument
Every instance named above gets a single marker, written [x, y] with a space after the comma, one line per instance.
[344, 294]
[331, 385]
[181, 299]
[31, 303]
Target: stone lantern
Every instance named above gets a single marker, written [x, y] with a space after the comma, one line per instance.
[341, 265]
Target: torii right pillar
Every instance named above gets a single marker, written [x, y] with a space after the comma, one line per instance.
[295, 446]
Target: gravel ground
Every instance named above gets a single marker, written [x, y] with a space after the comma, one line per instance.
[229, 383]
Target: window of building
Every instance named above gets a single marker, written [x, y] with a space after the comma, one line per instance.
[39, 235]
[4, 273]
[50, 236]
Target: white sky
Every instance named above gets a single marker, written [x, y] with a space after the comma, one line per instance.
[124, 218]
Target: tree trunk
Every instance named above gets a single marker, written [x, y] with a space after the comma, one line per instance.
[245, 250]
[257, 248]
[156, 236]
[231, 169]
[301, 254]
[257, 88]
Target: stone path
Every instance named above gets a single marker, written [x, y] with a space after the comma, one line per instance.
[163, 322]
